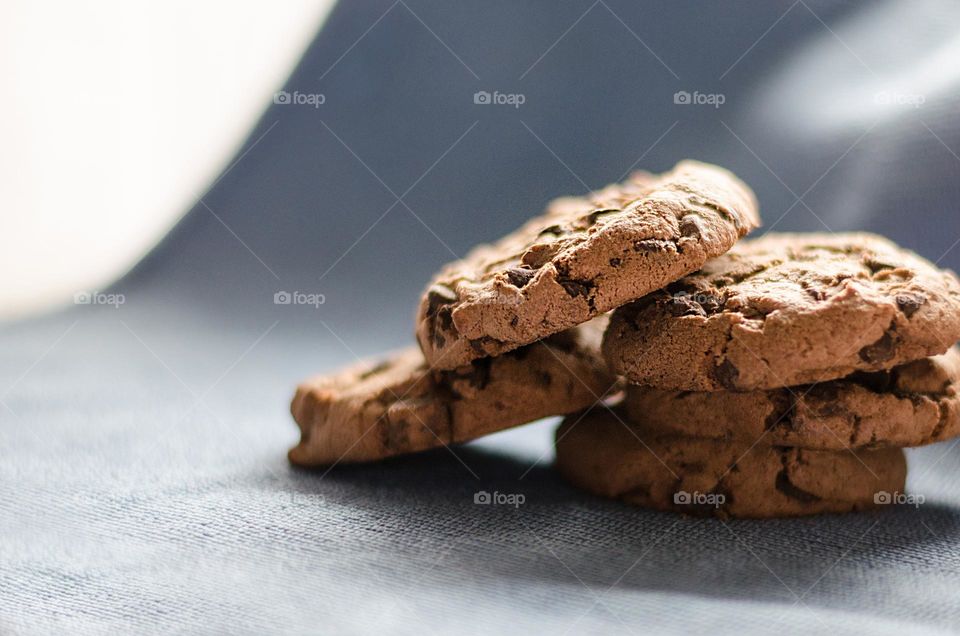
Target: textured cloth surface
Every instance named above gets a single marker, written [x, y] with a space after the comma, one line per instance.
[144, 486]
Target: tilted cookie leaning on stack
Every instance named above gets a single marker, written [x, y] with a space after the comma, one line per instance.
[582, 258]
[781, 379]
[375, 410]
[536, 301]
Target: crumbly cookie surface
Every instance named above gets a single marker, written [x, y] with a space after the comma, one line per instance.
[581, 258]
[913, 404]
[601, 454]
[787, 309]
[375, 410]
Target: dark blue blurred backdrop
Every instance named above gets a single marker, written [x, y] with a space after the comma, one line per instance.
[841, 115]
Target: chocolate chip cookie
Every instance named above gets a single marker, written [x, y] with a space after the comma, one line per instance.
[582, 257]
[787, 309]
[911, 405]
[376, 410]
[602, 455]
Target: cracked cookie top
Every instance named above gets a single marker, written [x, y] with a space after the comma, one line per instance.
[787, 309]
[582, 257]
[374, 410]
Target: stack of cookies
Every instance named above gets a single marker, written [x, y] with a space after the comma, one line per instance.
[781, 379]
[772, 377]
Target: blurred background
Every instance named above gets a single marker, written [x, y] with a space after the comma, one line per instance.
[120, 115]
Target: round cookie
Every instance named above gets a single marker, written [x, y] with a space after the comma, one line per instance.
[787, 309]
[911, 405]
[602, 455]
[584, 256]
[371, 410]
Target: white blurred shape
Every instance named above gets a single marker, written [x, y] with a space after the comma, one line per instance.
[878, 65]
[116, 115]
